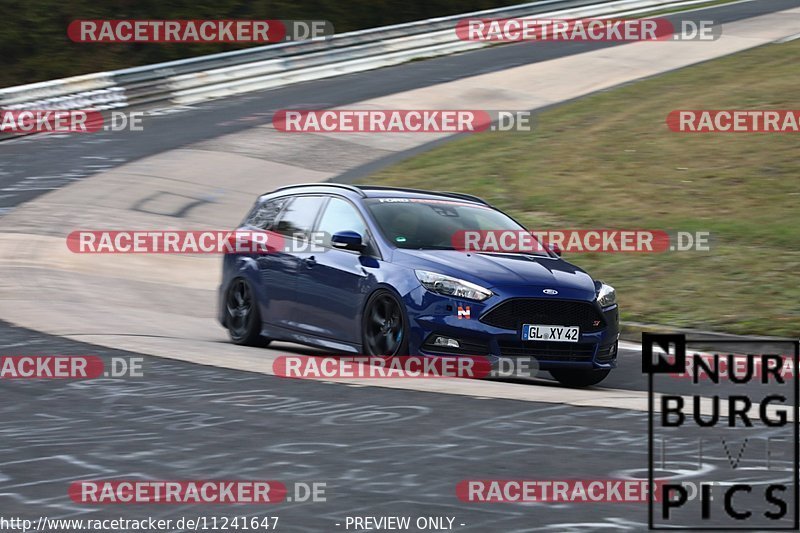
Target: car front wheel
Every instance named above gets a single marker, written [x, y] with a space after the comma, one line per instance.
[384, 328]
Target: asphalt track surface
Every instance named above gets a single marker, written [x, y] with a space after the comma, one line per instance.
[379, 452]
[171, 424]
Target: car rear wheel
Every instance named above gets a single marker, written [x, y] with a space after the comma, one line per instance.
[384, 328]
[242, 317]
[579, 378]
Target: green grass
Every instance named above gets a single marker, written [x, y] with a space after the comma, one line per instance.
[608, 160]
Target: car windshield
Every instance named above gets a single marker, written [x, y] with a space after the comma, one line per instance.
[431, 224]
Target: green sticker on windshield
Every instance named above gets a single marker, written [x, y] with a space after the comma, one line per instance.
[400, 239]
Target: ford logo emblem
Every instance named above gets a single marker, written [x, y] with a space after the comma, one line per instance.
[550, 291]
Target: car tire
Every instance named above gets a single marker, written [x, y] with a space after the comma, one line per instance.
[384, 325]
[578, 379]
[242, 318]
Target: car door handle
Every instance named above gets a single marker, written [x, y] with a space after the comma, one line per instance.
[310, 261]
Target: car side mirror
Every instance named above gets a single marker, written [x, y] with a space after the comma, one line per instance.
[347, 240]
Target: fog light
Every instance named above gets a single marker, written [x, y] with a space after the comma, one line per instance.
[446, 342]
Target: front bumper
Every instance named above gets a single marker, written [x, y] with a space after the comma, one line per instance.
[434, 316]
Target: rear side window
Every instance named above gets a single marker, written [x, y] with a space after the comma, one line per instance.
[298, 216]
[264, 215]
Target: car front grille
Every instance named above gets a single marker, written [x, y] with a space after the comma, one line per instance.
[513, 313]
[548, 351]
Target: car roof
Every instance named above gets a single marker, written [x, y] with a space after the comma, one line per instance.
[378, 191]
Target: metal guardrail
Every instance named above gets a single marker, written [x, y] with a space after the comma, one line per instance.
[196, 79]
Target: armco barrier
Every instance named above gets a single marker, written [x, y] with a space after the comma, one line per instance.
[202, 78]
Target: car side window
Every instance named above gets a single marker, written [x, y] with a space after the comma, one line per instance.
[263, 216]
[298, 216]
[339, 215]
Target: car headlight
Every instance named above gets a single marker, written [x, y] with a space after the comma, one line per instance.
[606, 295]
[449, 286]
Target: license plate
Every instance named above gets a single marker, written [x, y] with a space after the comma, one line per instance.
[534, 332]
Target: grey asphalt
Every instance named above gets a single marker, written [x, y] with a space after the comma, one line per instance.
[379, 452]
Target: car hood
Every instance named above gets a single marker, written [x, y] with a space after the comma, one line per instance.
[500, 270]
